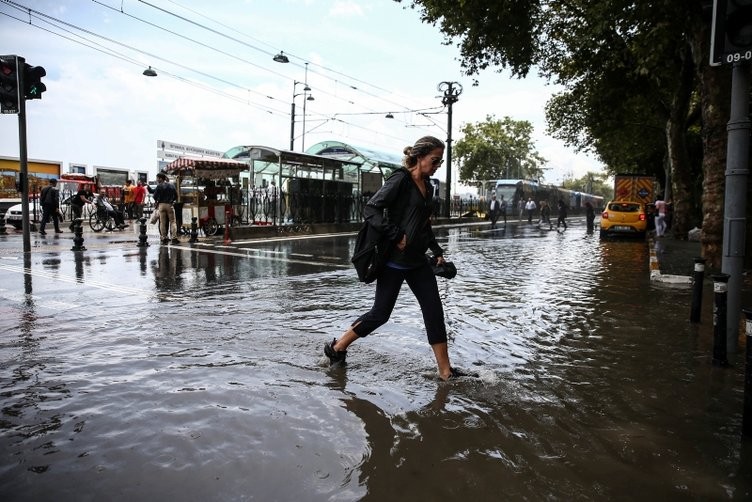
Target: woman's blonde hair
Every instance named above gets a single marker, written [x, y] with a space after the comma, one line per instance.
[421, 148]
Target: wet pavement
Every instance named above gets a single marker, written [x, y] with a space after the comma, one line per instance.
[195, 372]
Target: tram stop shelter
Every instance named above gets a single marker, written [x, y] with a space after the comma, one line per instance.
[374, 166]
[300, 186]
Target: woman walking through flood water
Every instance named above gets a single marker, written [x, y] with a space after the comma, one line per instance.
[407, 199]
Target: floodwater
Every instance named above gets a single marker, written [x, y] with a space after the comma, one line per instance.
[171, 374]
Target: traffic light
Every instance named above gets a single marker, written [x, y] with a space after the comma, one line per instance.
[9, 95]
[33, 86]
[731, 39]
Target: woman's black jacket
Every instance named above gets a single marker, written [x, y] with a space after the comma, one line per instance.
[398, 208]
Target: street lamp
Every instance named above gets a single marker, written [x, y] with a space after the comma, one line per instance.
[308, 97]
[452, 91]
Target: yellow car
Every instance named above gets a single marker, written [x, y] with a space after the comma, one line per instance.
[622, 217]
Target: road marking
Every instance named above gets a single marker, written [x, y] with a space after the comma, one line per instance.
[261, 257]
[71, 280]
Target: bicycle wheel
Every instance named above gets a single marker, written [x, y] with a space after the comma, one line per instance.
[95, 223]
[211, 227]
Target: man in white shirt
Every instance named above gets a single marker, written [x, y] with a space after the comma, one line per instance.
[530, 207]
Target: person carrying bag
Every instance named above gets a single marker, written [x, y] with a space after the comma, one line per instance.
[399, 215]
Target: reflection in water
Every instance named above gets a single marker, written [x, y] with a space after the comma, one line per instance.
[27, 274]
[142, 254]
[593, 384]
[168, 269]
[78, 258]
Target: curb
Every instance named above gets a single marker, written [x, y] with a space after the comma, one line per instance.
[655, 269]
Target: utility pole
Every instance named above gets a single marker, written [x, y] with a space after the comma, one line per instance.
[730, 43]
[452, 91]
[734, 211]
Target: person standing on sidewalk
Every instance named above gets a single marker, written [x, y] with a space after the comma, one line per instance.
[503, 209]
[493, 210]
[128, 197]
[139, 197]
[660, 217]
[50, 201]
[406, 198]
[164, 196]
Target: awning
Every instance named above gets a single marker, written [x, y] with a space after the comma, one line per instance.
[202, 167]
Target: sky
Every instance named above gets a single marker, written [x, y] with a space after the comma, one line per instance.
[218, 87]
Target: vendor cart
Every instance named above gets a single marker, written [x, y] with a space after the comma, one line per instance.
[206, 189]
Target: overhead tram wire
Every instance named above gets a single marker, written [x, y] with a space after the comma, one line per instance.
[46, 18]
[184, 37]
[318, 90]
[311, 63]
[154, 25]
[268, 53]
[110, 52]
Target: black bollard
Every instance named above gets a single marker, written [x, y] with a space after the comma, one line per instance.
[194, 230]
[142, 239]
[747, 417]
[3, 230]
[697, 280]
[78, 235]
[720, 290]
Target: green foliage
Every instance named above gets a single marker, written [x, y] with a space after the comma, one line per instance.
[594, 183]
[497, 149]
[619, 63]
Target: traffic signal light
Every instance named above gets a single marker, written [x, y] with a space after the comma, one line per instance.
[731, 39]
[33, 86]
[9, 95]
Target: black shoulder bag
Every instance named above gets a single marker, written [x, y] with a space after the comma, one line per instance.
[371, 250]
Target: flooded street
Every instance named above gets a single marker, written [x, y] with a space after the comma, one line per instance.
[170, 373]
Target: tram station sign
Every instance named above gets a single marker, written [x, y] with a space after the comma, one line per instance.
[170, 150]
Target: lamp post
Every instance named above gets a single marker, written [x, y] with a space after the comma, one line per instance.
[308, 97]
[452, 91]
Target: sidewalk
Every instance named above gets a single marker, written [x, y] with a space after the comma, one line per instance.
[672, 260]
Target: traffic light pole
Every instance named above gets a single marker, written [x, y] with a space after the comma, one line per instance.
[734, 221]
[23, 161]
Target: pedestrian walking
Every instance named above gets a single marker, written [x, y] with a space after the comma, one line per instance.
[521, 207]
[77, 203]
[562, 219]
[590, 217]
[530, 207]
[503, 210]
[545, 215]
[660, 217]
[406, 196]
[164, 196]
[50, 202]
[494, 208]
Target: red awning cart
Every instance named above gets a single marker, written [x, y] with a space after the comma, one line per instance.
[207, 190]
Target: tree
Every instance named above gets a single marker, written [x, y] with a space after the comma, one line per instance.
[593, 183]
[497, 149]
[633, 73]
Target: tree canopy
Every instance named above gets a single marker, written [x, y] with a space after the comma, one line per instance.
[497, 149]
[638, 91]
